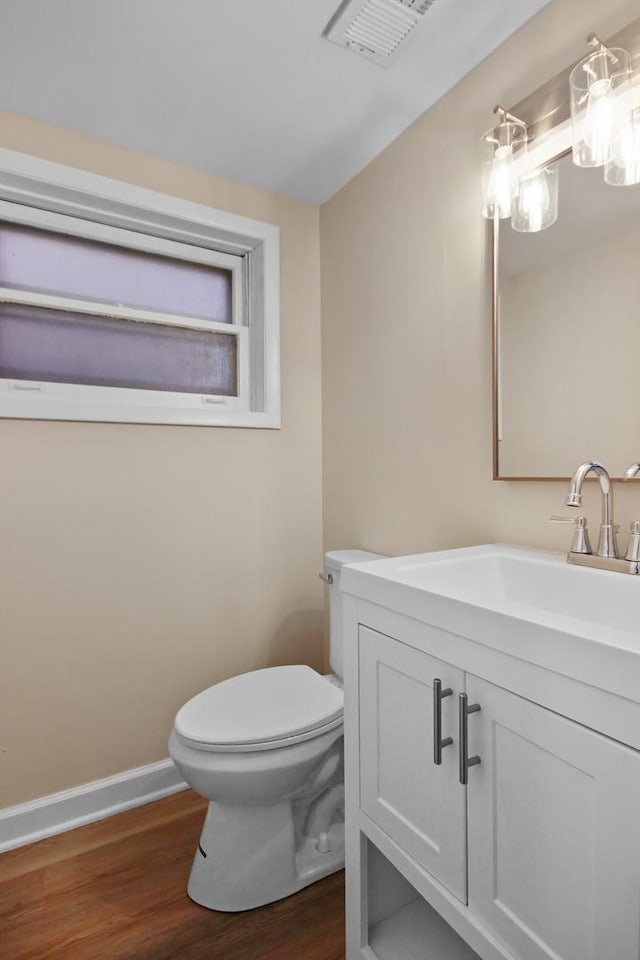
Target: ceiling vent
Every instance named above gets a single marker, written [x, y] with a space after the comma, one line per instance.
[376, 29]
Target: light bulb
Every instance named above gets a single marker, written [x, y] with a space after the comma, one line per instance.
[501, 182]
[600, 120]
[536, 204]
[623, 166]
[502, 150]
[534, 200]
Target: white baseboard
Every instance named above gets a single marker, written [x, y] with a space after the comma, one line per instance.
[63, 811]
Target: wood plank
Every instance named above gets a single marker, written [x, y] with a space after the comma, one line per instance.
[118, 888]
[63, 845]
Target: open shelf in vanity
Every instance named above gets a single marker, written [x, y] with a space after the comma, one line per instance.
[417, 932]
[401, 924]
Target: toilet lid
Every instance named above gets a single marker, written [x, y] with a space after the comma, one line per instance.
[260, 706]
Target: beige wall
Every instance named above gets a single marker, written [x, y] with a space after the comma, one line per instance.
[139, 564]
[406, 323]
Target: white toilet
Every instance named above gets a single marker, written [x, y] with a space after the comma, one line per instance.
[265, 748]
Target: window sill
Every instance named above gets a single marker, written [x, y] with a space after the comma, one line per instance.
[26, 400]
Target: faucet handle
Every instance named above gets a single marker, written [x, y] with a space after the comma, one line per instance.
[581, 542]
[633, 547]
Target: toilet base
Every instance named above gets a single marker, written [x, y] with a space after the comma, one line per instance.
[247, 857]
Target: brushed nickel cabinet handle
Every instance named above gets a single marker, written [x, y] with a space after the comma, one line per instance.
[464, 709]
[438, 743]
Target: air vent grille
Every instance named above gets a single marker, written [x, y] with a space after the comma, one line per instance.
[376, 29]
[420, 6]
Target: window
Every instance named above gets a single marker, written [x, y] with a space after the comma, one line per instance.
[120, 304]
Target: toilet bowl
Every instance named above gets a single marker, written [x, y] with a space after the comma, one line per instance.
[266, 749]
[263, 748]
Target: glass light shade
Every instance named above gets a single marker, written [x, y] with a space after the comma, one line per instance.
[623, 167]
[502, 151]
[536, 205]
[596, 107]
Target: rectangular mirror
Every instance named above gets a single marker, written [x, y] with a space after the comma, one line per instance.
[567, 334]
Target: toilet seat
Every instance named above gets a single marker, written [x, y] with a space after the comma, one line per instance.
[261, 710]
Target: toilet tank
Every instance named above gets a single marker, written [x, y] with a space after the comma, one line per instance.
[333, 564]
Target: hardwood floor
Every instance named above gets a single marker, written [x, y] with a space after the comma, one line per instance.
[117, 890]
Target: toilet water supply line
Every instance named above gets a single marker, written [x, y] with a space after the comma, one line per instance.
[320, 813]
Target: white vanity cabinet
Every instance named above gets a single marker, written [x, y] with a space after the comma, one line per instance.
[537, 857]
[553, 832]
[418, 804]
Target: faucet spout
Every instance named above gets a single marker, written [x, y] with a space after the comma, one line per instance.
[607, 546]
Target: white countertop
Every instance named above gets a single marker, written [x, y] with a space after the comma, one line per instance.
[577, 621]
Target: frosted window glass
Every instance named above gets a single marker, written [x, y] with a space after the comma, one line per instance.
[59, 347]
[46, 262]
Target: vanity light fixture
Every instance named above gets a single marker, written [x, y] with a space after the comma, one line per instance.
[605, 126]
[509, 189]
[501, 147]
[598, 85]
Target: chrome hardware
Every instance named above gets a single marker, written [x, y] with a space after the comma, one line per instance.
[581, 542]
[633, 547]
[327, 577]
[438, 743]
[606, 556]
[607, 547]
[464, 709]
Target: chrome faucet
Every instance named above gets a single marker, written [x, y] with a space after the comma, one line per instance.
[607, 546]
[606, 556]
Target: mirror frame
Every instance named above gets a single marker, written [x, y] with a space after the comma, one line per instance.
[494, 229]
[546, 111]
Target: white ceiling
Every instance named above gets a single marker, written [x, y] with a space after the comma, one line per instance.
[247, 89]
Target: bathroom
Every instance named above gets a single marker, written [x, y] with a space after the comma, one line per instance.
[145, 561]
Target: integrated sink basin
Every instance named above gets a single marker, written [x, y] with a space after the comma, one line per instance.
[578, 621]
[512, 581]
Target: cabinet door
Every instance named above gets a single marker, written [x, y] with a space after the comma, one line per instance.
[554, 832]
[418, 804]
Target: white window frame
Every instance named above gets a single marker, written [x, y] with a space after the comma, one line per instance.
[57, 198]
